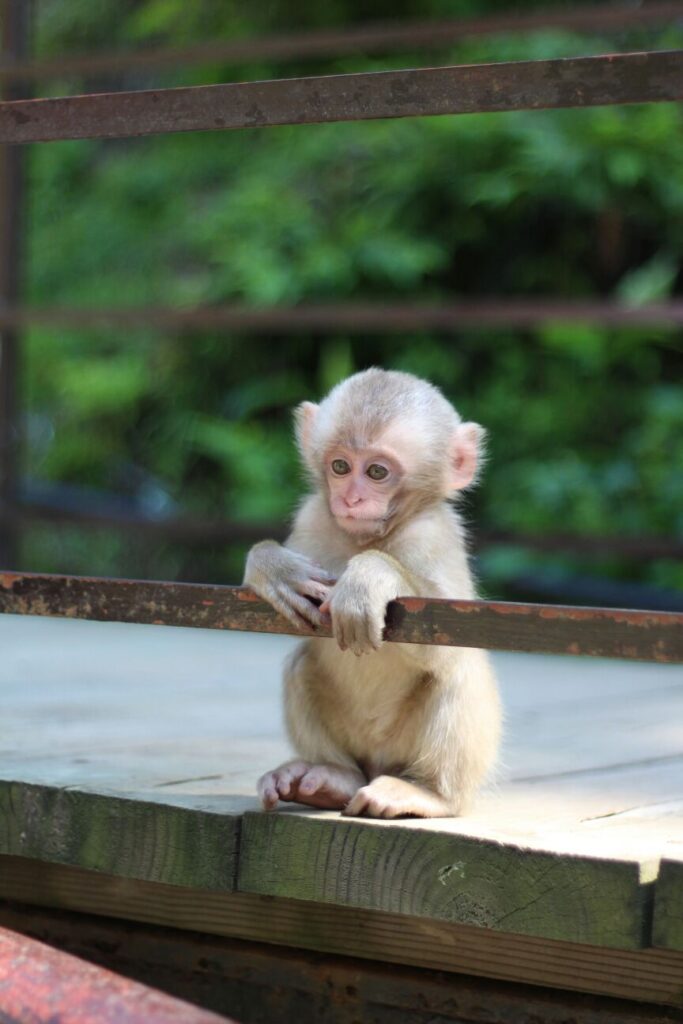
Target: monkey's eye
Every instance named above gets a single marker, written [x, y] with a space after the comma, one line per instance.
[377, 472]
[340, 467]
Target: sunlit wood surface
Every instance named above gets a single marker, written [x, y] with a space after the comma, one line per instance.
[133, 751]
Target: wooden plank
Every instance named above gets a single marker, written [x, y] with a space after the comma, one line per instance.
[604, 632]
[370, 37]
[43, 985]
[155, 841]
[461, 879]
[649, 975]
[190, 718]
[667, 925]
[524, 85]
[263, 982]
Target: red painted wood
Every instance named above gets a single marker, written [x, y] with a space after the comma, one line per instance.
[41, 985]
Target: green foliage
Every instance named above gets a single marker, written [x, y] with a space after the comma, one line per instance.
[585, 422]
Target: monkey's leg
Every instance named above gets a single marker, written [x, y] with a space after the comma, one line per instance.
[391, 797]
[328, 786]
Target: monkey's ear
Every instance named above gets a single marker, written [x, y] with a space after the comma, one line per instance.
[304, 418]
[465, 455]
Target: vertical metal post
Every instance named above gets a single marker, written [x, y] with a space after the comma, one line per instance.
[15, 15]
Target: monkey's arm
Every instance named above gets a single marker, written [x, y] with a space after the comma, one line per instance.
[358, 602]
[291, 582]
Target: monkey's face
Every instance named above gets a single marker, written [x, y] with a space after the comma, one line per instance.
[362, 485]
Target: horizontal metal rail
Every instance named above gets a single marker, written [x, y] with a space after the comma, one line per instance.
[556, 629]
[370, 38]
[520, 85]
[355, 317]
[101, 510]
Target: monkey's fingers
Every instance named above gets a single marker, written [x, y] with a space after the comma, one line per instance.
[295, 608]
[317, 592]
[323, 576]
[374, 627]
[309, 611]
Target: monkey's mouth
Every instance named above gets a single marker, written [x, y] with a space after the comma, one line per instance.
[363, 524]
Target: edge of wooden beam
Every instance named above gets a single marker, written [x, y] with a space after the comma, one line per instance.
[650, 975]
[667, 924]
[446, 876]
[155, 841]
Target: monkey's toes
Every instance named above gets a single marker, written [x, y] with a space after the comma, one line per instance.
[311, 783]
[267, 792]
[281, 783]
[365, 805]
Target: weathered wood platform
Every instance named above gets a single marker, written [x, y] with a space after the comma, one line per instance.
[129, 756]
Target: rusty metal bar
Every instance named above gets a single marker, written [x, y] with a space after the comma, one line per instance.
[376, 317]
[556, 629]
[42, 985]
[521, 85]
[371, 38]
[15, 16]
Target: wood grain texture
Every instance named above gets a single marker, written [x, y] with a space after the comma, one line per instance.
[133, 838]
[649, 975]
[523, 85]
[262, 982]
[667, 925]
[455, 878]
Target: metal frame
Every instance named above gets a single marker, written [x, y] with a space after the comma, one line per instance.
[15, 19]
[44, 985]
[353, 317]
[584, 81]
[370, 38]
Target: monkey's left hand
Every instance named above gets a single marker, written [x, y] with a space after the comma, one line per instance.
[359, 600]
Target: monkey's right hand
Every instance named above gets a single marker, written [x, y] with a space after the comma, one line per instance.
[292, 583]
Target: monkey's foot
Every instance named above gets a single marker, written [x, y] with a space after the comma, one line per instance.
[327, 786]
[389, 797]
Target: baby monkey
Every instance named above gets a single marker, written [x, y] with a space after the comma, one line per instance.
[381, 729]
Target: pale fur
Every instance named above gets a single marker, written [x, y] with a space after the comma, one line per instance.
[421, 722]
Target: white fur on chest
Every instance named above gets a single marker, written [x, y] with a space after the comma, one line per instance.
[375, 688]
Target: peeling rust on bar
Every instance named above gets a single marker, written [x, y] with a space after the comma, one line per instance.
[43, 985]
[558, 629]
[520, 85]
